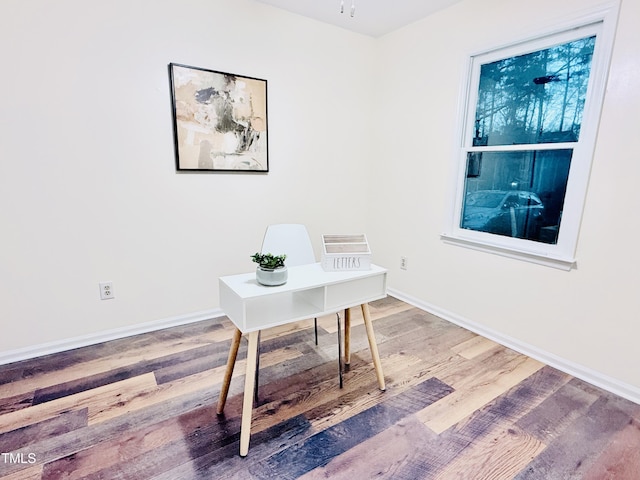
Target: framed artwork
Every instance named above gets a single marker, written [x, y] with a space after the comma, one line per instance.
[219, 120]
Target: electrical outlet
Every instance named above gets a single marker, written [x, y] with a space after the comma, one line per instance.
[106, 290]
[403, 263]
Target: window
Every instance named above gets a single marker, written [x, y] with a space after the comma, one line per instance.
[527, 138]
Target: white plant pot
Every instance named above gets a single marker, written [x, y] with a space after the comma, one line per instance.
[272, 277]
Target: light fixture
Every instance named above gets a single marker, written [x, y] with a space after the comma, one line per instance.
[353, 7]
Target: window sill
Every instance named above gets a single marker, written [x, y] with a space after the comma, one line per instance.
[565, 264]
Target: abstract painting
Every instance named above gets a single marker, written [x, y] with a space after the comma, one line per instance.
[219, 120]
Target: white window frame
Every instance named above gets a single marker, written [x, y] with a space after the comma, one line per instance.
[601, 22]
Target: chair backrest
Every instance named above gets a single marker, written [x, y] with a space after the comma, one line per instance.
[291, 239]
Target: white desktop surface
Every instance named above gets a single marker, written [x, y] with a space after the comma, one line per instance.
[310, 291]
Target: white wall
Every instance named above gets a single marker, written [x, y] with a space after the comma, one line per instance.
[588, 317]
[88, 185]
[89, 191]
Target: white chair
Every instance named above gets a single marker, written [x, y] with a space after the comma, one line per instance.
[292, 240]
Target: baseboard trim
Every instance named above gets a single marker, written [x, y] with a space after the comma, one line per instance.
[593, 377]
[35, 351]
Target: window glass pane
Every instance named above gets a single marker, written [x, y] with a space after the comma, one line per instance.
[516, 194]
[534, 98]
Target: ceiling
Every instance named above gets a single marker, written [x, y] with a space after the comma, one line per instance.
[372, 17]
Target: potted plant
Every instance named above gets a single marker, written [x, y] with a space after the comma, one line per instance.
[271, 270]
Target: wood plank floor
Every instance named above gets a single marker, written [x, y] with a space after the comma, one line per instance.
[457, 406]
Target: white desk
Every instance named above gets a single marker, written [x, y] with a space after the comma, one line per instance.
[309, 292]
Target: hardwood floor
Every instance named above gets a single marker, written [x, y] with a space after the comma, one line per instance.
[457, 406]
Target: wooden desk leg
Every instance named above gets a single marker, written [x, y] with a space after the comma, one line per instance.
[373, 346]
[347, 337]
[231, 362]
[249, 383]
